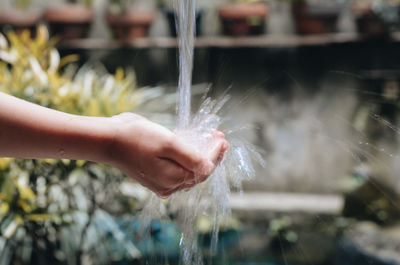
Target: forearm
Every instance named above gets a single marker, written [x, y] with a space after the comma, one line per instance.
[31, 131]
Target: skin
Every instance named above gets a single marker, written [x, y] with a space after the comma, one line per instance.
[148, 152]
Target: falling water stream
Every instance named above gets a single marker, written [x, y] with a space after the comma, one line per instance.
[186, 19]
[211, 198]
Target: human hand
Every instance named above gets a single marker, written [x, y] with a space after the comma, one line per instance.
[152, 154]
[157, 158]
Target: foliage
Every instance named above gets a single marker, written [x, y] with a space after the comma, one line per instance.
[23, 4]
[54, 207]
[281, 230]
[31, 70]
[119, 6]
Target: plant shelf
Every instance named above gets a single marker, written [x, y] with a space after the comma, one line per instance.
[284, 41]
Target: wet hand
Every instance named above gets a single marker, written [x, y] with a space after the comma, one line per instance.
[157, 158]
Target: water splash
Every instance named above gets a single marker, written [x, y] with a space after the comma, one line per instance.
[210, 198]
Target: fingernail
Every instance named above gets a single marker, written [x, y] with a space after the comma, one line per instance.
[226, 146]
[219, 134]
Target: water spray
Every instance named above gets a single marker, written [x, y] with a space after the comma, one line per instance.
[210, 198]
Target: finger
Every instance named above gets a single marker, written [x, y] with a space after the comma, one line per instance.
[187, 182]
[199, 180]
[186, 156]
[166, 193]
[218, 134]
[181, 178]
[224, 148]
[216, 154]
[185, 176]
[176, 176]
[187, 187]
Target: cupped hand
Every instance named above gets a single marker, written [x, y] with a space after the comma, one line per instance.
[157, 158]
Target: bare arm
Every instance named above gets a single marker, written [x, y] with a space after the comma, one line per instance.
[148, 152]
[31, 131]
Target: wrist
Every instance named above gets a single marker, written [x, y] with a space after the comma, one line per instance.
[95, 137]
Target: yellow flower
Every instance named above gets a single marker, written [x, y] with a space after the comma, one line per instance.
[4, 163]
[4, 208]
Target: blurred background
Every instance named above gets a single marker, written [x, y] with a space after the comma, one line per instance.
[314, 85]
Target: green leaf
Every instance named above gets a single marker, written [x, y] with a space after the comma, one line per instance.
[10, 226]
[8, 189]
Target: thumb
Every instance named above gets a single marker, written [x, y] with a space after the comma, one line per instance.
[188, 157]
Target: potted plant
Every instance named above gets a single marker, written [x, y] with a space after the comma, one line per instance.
[376, 18]
[19, 18]
[70, 21]
[315, 17]
[243, 17]
[127, 23]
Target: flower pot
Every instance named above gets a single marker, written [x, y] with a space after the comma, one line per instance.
[315, 18]
[243, 19]
[69, 22]
[171, 17]
[19, 20]
[130, 25]
[370, 23]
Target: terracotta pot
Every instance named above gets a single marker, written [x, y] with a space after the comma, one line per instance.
[369, 23]
[315, 18]
[130, 25]
[19, 20]
[243, 19]
[171, 16]
[69, 22]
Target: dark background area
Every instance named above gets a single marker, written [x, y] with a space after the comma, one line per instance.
[271, 67]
